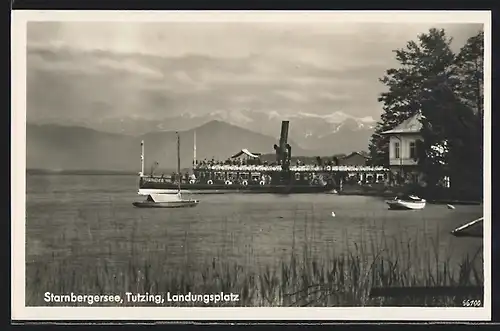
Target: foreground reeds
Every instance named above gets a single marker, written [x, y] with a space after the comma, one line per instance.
[303, 278]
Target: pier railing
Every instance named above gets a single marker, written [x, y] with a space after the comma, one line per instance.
[304, 168]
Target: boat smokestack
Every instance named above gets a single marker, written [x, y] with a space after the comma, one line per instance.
[281, 149]
[284, 134]
[142, 158]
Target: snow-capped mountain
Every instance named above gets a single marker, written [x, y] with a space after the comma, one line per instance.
[307, 130]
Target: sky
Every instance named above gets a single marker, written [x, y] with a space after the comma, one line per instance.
[82, 70]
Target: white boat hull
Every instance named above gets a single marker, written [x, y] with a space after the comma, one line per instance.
[406, 205]
[147, 191]
[166, 201]
[169, 204]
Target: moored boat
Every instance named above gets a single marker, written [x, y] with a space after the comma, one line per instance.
[254, 175]
[165, 200]
[409, 202]
[160, 199]
[154, 184]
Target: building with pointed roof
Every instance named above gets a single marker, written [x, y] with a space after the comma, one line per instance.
[355, 158]
[412, 125]
[403, 147]
[246, 153]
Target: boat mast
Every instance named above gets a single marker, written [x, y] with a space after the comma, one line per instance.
[179, 159]
[142, 158]
[194, 149]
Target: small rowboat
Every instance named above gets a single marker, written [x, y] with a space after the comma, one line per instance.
[166, 201]
[410, 202]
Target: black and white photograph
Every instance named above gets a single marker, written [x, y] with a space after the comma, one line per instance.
[280, 161]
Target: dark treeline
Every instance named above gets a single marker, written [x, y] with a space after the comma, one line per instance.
[447, 89]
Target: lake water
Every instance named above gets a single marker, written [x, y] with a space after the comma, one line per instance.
[91, 217]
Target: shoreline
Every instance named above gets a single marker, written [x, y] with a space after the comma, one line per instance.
[463, 202]
[359, 191]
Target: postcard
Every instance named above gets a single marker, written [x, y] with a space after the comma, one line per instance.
[273, 165]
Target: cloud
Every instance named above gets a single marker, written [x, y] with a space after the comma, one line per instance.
[84, 70]
[293, 95]
[130, 67]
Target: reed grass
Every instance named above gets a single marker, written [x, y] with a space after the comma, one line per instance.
[304, 277]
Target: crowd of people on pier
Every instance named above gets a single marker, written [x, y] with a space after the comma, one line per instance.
[235, 161]
[258, 161]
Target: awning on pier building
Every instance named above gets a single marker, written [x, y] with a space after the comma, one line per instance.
[247, 153]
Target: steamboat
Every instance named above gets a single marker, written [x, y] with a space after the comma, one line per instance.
[255, 176]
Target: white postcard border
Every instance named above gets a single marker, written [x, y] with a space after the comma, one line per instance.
[18, 175]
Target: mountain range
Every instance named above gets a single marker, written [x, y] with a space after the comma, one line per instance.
[114, 143]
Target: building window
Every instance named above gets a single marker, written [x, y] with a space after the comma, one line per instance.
[446, 182]
[413, 150]
[396, 150]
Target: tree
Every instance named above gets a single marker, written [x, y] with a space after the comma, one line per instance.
[437, 105]
[420, 61]
[470, 72]
[453, 114]
[452, 140]
[452, 110]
